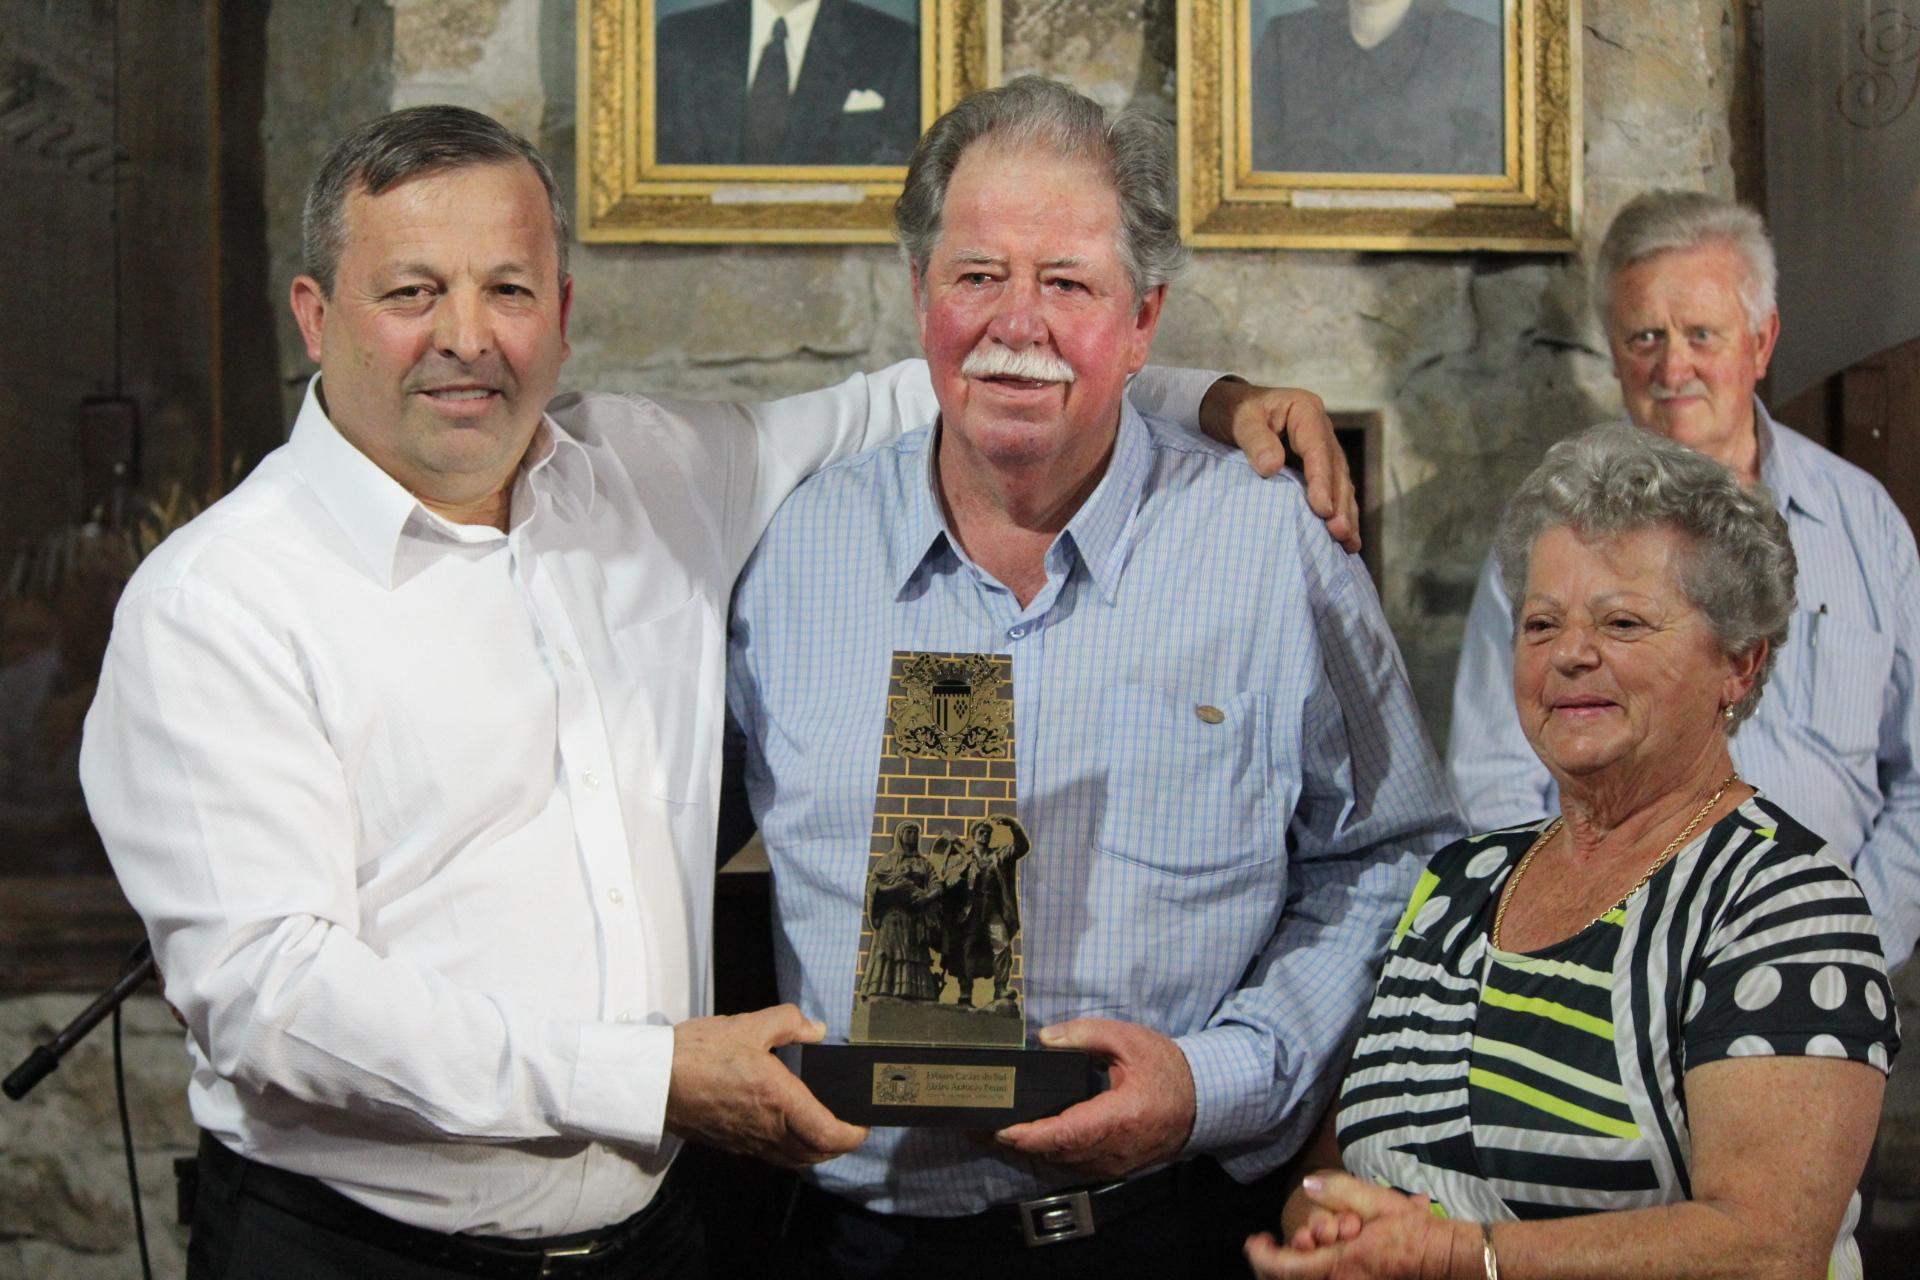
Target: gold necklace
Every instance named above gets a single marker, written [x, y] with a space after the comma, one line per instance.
[1553, 829]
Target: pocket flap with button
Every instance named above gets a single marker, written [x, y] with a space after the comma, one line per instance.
[1188, 783]
[1846, 686]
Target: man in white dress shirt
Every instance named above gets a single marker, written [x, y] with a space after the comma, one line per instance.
[1685, 287]
[406, 752]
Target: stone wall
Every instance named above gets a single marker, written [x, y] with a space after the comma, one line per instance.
[1475, 362]
[64, 1209]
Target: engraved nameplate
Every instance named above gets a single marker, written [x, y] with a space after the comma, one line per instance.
[927, 1084]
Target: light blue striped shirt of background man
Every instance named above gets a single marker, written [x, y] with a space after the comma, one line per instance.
[1227, 884]
[1833, 738]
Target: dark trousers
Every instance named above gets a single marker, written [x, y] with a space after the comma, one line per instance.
[1196, 1234]
[251, 1222]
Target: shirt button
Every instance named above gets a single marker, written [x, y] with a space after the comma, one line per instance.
[566, 659]
[1212, 715]
[616, 898]
[625, 1017]
[1014, 633]
[591, 780]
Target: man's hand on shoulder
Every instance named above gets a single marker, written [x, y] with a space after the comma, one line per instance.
[1144, 1119]
[1263, 422]
[729, 1091]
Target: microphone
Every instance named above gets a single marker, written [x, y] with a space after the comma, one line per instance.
[39, 1064]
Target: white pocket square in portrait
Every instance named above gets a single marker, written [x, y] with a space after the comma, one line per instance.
[863, 100]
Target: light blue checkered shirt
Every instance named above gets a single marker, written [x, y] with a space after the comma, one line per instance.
[1230, 885]
[1833, 738]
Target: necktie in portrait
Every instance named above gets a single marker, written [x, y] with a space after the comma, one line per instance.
[767, 100]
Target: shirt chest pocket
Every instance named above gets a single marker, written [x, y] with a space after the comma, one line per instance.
[1843, 677]
[1188, 785]
[669, 713]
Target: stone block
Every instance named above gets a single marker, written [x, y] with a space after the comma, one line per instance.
[442, 35]
[690, 321]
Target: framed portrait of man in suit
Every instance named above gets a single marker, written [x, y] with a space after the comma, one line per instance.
[1380, 124]
[765, 120]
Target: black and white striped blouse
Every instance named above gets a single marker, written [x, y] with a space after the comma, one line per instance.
[1535, 1085]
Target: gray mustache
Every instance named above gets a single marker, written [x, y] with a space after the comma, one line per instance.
[1691, 387]
[1004, 362]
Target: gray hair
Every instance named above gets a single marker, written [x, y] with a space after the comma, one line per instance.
[1614, 479]
[1135, 150]
[404, 144]
[1665, 221]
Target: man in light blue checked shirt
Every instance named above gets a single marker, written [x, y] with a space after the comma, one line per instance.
[1219, 760]
[1685, 288]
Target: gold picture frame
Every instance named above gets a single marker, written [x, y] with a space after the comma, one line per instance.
[1526, 202]
[627, 194]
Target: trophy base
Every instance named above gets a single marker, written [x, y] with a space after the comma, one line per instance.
[952, 1088]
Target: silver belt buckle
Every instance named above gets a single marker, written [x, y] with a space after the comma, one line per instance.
[554, 1261]
[1052, 1219]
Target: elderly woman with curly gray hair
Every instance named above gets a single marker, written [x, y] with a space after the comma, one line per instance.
[1647, 1036]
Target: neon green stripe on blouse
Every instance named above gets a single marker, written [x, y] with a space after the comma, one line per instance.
[1571, 1112]
[1421, 892]
[1573, 1077]
[1549, 1009]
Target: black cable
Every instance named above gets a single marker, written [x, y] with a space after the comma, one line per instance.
[45, 1058]
[126, 1137]
[36, 1066]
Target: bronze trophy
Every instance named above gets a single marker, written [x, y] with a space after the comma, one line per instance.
[939, 1009]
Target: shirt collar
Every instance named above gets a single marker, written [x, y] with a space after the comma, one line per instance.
[374, 510]
[922, 528]
[370, 506]
[1783, 472]
[1099, 532]
[799, 22]
[1102, 529]
[1397, 57]
[558, 465]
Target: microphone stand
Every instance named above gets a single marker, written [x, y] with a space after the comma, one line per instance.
[39, 1064]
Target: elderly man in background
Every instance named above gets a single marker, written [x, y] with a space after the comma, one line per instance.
[1685, 288]
[406, 750]
[1225, 781]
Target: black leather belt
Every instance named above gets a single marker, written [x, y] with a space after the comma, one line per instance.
[312, 1201]
[1049, 1219]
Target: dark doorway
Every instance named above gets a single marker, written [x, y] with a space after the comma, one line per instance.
[137, 367]
[1869, 414]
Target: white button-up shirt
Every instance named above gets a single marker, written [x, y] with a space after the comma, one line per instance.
[420, 816]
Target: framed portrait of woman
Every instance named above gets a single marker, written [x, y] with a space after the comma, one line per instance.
[765, 120]
[1380, 124]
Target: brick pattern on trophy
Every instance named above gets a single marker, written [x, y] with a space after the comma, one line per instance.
[946, 765]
